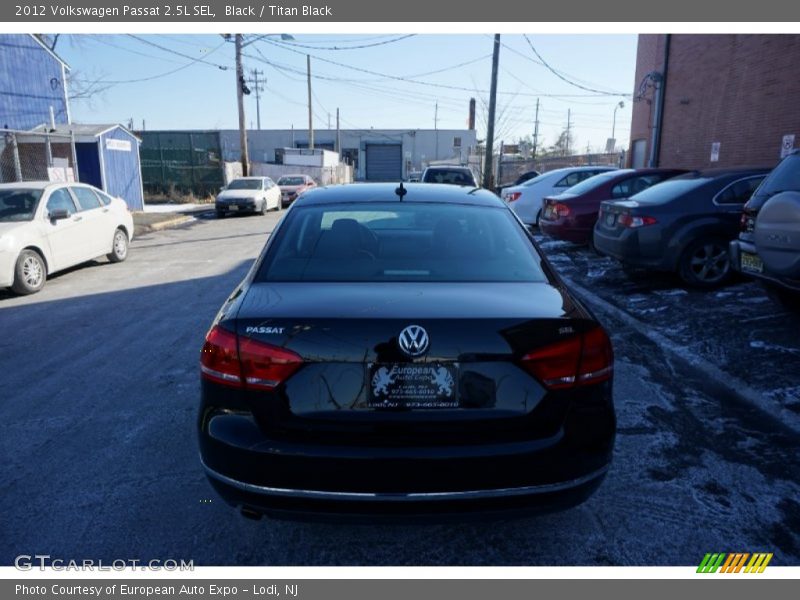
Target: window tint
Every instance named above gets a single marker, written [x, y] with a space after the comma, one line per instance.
[785, 177]
[740, 191]
[570, 179]
[671, 188]
[245, 184]
[591, 183]
[401, 242]
[453, 176]
[634, 185]
[60, 199]
[87, 199]
[18, 204]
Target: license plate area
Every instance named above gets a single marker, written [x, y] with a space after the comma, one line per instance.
[751, 263]
[409, 386]
[610, 219]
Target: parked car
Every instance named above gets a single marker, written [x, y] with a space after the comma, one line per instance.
[571, 215]
[414, 176]
[527, 175]
[452, 174]
[526, 199]
[404, 349]
[248, 194]
[294, 185]
[768, 247]
[683, 224]
[48, 227]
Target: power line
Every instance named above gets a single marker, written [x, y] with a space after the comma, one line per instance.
[359, 47]
[177, 53]
[564, 79]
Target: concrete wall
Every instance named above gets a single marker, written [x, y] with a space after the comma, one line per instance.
[739, 90]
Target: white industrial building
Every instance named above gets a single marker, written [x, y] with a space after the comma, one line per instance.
[375, 154]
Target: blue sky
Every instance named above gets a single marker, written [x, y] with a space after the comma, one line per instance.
[175, 81]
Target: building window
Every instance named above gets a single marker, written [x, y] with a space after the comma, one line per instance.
[457, 142]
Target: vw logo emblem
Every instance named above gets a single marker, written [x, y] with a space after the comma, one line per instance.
[413, 340]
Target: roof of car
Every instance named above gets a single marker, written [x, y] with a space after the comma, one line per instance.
[724, 171]
[37, 185]
[385, 192]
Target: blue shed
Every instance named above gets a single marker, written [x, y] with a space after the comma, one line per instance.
[32, 81]
[108, 158]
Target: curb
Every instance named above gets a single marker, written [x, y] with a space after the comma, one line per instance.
[730, 383]
[140, 229]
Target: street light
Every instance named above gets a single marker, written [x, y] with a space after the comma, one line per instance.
[621, 104]
[242, 89]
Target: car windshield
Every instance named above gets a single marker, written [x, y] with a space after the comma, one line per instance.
[589, 184]
[291, 181]
[672, 188]
[453, 176]
[18, 204]
[245, 184]
[401, 242]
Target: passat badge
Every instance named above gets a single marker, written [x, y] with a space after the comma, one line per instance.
[413, 340]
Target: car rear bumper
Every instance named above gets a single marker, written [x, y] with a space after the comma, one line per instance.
[564, 231]
[256, 473]
[236, 205]
[738, 247]
[627, 249]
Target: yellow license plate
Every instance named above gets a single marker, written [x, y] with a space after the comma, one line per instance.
[751, 263]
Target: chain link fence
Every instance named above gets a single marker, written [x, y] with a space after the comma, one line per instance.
[36, 156]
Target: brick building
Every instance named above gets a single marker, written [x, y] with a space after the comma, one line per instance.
[727, 100]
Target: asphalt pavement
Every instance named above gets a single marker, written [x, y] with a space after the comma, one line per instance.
[99, 399]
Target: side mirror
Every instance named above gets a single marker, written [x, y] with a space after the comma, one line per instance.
[58, 214]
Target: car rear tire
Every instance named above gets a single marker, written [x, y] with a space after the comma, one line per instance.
[119, 247]
[705, 263]
[782, 297]
[30, 273]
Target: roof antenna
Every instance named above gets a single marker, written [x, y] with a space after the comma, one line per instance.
[401, 191]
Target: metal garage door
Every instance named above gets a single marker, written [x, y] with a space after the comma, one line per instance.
[384, 162]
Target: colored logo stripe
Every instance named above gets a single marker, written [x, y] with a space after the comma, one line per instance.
[734, 562]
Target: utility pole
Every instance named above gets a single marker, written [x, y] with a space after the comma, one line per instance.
[487, 171]
[436, 129]
[241, 90]
[258, 89]
[569, 127]
[338, 138]
[310, 122]
[536, 130]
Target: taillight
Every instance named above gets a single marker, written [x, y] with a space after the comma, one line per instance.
[747, 223]
[562, 210]
[245, 363]
[579, 360]
[629, 220]
[265, 366]
[511, 197]
[219, 358]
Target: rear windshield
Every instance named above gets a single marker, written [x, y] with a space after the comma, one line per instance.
[591, 183]
[401, 242]
[672, 188]
[18, 204]
[783, 178]
[453, 176]
[291, 181]
[245, 184]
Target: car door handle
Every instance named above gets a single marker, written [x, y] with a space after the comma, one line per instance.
[105, 210]
[77, 218]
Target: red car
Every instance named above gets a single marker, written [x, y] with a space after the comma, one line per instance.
[571, 215]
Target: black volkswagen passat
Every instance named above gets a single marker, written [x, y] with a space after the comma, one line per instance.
[404, 350]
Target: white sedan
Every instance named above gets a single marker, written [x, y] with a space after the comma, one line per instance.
[526, 198]
[248, 194]
[47, 227]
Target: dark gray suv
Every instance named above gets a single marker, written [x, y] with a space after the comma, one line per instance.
[768, 248]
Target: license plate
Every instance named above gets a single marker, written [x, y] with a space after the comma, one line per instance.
[548, 213]
[412, 386]
[610, 219]
[233, 207]
[751, 263]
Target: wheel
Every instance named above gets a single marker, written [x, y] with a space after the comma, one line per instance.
[30, 273]
[786, 298]
[119, 250]
[705, 263]
[538, 216]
